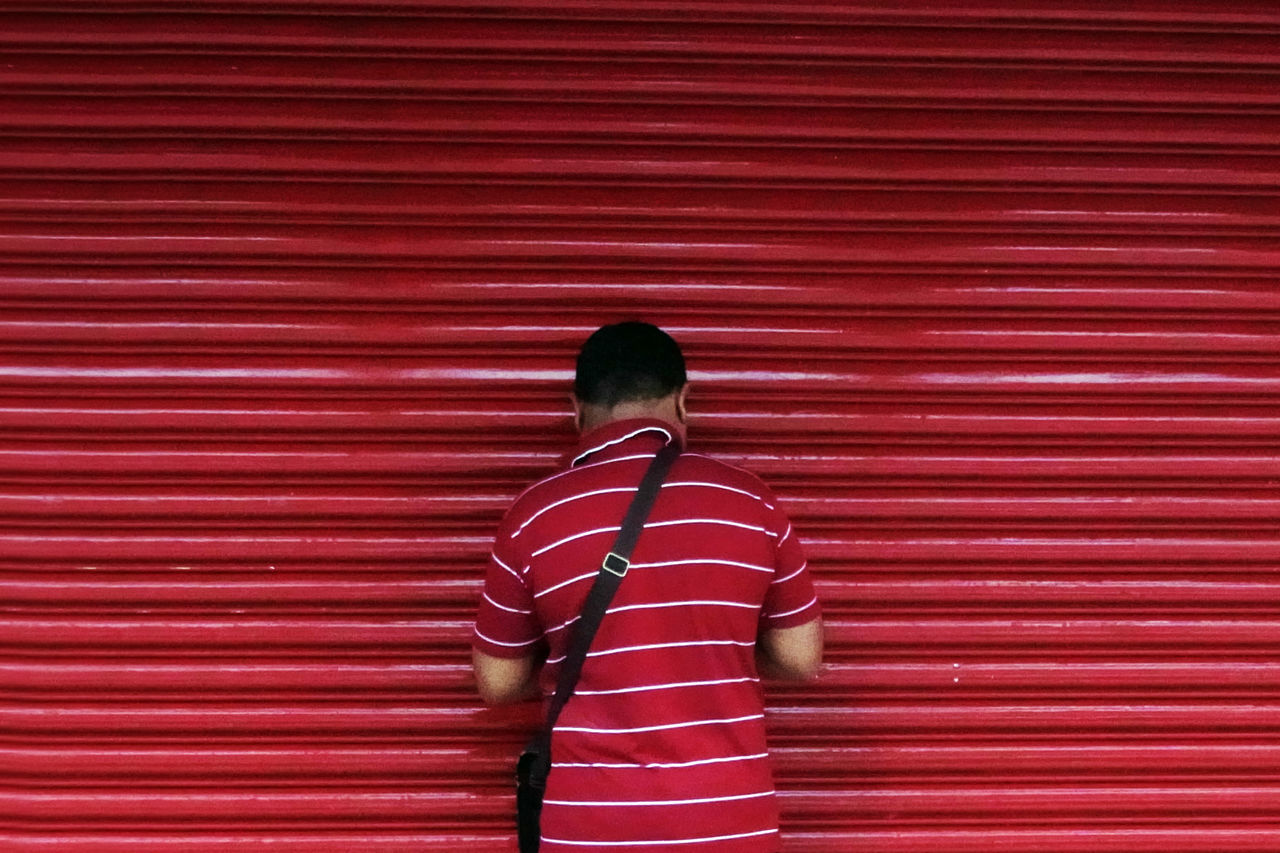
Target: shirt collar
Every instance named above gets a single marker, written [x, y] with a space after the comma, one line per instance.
[609, 440]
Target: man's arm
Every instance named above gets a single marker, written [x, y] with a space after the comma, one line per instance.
[502, 681]
[793, 654]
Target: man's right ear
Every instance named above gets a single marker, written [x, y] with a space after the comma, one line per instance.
[577, 411]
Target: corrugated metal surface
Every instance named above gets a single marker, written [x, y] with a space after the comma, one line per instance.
[290, 297]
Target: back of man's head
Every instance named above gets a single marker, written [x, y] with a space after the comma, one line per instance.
[626, 362]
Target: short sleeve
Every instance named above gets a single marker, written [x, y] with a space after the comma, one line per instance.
[506, 626]
[790, 599]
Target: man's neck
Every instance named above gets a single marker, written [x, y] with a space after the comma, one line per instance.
[594, 416]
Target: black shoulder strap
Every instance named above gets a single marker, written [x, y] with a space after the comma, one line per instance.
[610, 576]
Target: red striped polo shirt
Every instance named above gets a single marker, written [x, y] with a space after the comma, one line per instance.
[662, 746]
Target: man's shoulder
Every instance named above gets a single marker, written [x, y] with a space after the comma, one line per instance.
[541, 492]
[720, 472]
[624, 471]
[573, 481]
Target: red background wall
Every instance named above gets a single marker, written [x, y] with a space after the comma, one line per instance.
[289, 295]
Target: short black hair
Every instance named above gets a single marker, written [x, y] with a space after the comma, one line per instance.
[628, 361]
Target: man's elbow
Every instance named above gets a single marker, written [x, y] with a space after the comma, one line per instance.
[806, 668]
[495, 694]
[794, 654]
[503, 681]
[796, 668]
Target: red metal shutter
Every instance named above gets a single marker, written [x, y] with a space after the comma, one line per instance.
[290, 297]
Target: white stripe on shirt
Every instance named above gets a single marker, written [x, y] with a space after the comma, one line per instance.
[575, 470]
[720, 486]
[659, 766]
[565, 583]
[564, 625]
[514, 573]
[709, 521]
[698, 801]
[658, 606]
[650, 842]
[509, 645]
[581, 535]
[504, 607]
[652, 646]
[626, 489]
[672, 685]
[552, 506]
[690, 455]
[661, 604]
[812, 602]
[803, 566]
[701, 562]
[614, 529]
[659, 728]
[662, 565]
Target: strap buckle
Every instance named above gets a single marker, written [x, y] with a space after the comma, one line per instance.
[615, 565]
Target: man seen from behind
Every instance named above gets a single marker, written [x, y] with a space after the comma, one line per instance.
[662, 746]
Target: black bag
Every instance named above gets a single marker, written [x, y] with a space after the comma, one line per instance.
[531, 784]
[535, 762]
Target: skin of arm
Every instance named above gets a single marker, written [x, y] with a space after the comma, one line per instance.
[504, 681]
[791, 654]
